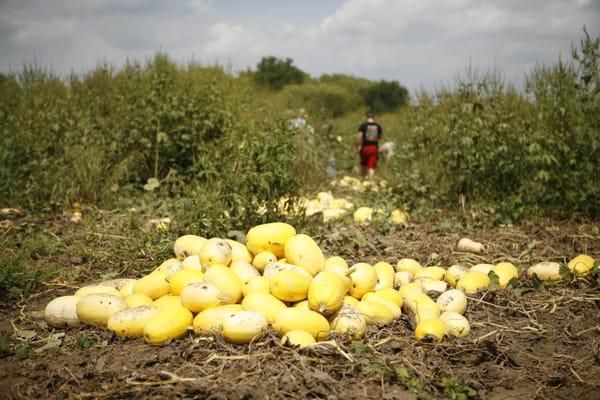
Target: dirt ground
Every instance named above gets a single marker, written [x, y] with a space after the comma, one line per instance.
[524, 343]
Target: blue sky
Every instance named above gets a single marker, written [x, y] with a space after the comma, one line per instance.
[420, 43]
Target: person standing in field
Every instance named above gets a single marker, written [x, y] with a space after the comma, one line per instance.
[367, 145]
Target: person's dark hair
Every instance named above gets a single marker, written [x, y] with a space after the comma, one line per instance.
[370, 115]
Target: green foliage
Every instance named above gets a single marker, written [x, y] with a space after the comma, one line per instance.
[484, 143]
[456, 390]
[323, 100]
[255, 169]
[82, 342]
[275, 73]
[19, 273]
[564, 156]
[386, 96]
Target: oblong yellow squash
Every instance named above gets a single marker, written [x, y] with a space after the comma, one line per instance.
[326, 293]
[454, 273]
[244, 270]
[456, 324]
[402, 278]
[243, 327]
[199, 296]
[290, 286]
[303, 251]
[256, 284]
[581, 265]
[393, 307]
[452, 300]
[364, 279]
[169, 266]
[269, 237]
[215, 251]
[390, 294]
[138, 299]
[192, 263]
[264, 303]
[433, 329]
[130, 322]
[297, 337]
[473, 282]
[385, 275]
[505, 272]
[547, 271]
[239, 251]
[168, 324]
[274, 267]
[302, 304]
[349, 321]
[167, 301]
[210, 321]
[374, 312]
[435, 273]
[188, 245]
[154, 285]
[61, 312]
[306, 320]
[262, 259]
[228, 282]
[336, 261]
[127, 290]
[408, 264]
[181, 279]
[97, 308]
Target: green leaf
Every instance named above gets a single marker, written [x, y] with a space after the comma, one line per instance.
[595, 271]
[401, 372]
[359, 347]
[152, 184]
[514, 283]
[538, 283]
[109, 275]
[359, 239]
[566, 273]
[238, 236]
[494, 280]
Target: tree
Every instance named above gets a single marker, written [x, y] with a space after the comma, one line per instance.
[385, 96]
[276, 73]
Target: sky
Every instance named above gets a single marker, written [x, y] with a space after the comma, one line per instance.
[419, 43]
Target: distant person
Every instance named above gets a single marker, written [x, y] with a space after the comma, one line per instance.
[300, 122]
[386, 151]
[367, 145]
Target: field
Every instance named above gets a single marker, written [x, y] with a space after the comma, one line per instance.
[88, 161]
[524, 343]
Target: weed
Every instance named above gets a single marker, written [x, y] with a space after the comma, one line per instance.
[456, 390]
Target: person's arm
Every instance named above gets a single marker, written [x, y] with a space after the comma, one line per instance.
[358, 141]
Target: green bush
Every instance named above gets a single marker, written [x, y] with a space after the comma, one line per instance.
[275, 73]
[322, 100]
[385, 96]
[564, 156]
[484, 143]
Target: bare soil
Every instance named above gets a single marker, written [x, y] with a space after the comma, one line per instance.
[525, 343]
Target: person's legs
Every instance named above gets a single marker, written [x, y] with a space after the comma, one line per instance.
[371, 173]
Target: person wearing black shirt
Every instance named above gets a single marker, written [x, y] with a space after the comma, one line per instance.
[367, 145]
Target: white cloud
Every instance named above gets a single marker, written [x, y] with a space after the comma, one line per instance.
[231, 40]
[417, 42]
[35, 31]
